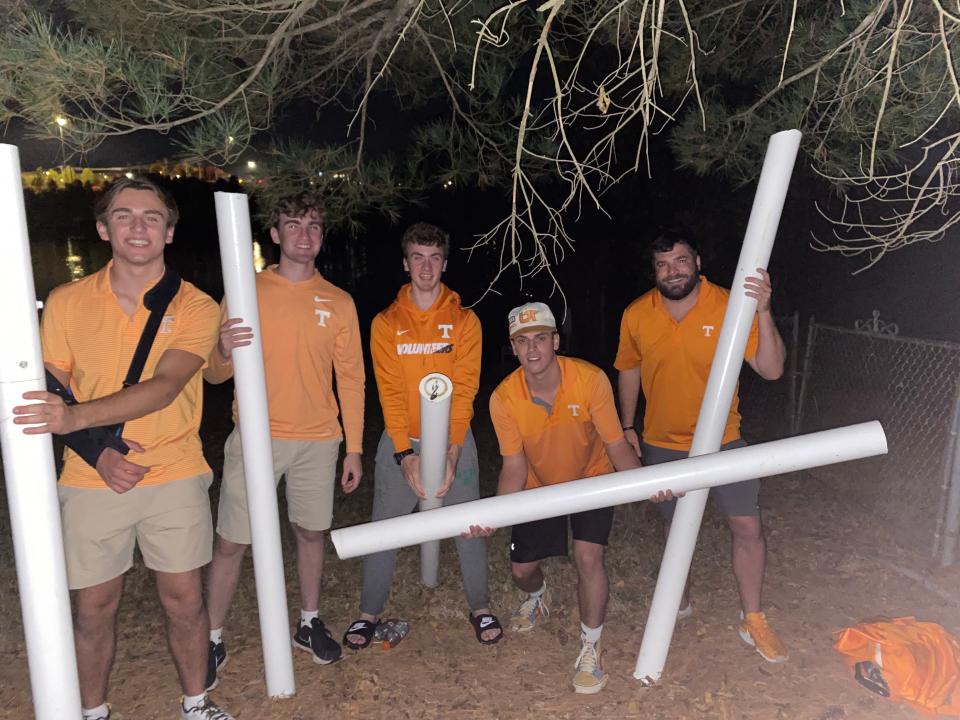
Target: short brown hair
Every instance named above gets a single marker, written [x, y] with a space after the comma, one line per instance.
[665, 242]
[423, 233]
[296, 206]
[102, 205]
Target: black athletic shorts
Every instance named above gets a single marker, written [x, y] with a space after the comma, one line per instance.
[548, 538]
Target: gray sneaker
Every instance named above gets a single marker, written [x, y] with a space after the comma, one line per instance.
[530, 610]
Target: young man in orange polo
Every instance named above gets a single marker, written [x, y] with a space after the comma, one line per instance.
[310, 331]
[556, 421]
[425, 330]
[158, 498]
[667, 340]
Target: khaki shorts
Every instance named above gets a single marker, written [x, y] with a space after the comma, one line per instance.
[170, 522]
[310, 467]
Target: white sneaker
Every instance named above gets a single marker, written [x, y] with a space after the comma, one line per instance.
[207, 710]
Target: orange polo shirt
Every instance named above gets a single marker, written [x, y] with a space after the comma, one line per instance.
[309, 331]
[84, 332]
[407, 343]
[565, 442]
[674, 360]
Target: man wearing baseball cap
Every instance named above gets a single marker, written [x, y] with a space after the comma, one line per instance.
[556, 421]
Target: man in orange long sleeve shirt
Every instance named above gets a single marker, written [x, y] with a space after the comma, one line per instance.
[668, 337]
[310, 331]
[425, 330]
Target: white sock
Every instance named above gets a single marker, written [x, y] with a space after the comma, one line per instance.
[540, 592]
[590, 635]
[216, 635]
[307, 616]
[100, 712]
[191, 701]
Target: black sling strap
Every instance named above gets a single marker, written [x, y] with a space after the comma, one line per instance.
[90, 443]
[156, 300]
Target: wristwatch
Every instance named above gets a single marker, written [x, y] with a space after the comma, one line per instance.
[402, 454]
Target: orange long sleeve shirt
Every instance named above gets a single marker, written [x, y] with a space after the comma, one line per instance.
[408, 343]
[309, 332]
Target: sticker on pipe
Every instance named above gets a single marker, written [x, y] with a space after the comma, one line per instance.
[436, 387]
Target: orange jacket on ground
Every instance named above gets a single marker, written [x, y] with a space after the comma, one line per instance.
[920, 661]
[309, 331]
[408, 343]
[674, 360]
[86, 334]
[568, 443]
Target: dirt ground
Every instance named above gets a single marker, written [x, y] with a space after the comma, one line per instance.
[828, 567]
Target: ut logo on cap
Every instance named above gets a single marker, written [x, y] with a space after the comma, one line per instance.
[527, 316]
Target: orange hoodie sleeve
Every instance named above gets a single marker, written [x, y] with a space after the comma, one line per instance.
[466, 377]
[348, 365]
[390, 382]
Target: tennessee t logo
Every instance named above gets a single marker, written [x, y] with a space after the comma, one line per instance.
[323, 315]
[446, 330]
[707, 330]
[574, 410]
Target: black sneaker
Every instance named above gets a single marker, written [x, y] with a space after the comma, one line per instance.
[317, 639]
[216, 659]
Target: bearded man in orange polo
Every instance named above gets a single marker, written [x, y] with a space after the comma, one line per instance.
[667, 340]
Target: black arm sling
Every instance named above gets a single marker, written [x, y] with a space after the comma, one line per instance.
[90, 443]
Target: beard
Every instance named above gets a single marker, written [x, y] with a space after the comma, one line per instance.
[678, 292]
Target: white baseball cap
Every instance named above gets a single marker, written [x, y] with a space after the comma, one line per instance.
[531, 316]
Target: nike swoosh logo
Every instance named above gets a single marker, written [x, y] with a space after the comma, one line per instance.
[401, 332]
[485, 622]
[317, 298]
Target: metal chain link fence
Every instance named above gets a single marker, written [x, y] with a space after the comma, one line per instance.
[913, 388]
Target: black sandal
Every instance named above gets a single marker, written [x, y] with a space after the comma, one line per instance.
[364, 628]
[484, 622]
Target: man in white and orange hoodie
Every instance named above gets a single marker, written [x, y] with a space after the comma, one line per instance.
[310, 331]
[425, 330]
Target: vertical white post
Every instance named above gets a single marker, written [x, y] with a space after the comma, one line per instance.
[29, 471]
[436, 391]
[721, 385]
[236, 257]
[952, 488]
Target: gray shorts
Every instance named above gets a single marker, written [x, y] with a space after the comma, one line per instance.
[734, 500]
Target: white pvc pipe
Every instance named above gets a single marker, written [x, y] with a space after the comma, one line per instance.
[29, 471]
[780, 456]
[717, 398]
[236, 257]
[436, 391]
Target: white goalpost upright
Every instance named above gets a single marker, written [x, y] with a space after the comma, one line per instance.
[236, 256]
[721, 385]
[29, 472]
[773, 458]
[436, 392]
